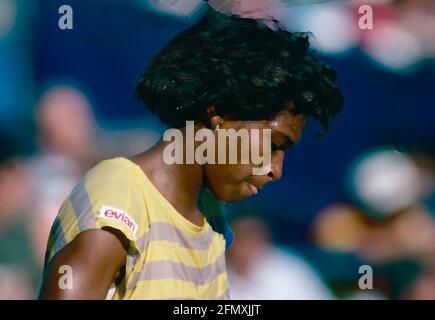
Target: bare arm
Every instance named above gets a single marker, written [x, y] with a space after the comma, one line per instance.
[95, 257]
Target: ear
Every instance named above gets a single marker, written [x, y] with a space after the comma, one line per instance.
[213, 117]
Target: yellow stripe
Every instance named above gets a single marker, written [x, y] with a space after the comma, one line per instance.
[118, 193]
[51, 255]
[165, 250]
[174, 288]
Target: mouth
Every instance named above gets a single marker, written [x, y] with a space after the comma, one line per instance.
[253, 189]
[253, 186]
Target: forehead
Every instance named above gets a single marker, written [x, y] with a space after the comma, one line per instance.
[283, 124]
[288, 124]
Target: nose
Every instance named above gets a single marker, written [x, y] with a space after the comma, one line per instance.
[276, 168]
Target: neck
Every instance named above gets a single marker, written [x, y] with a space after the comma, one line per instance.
[180, 184]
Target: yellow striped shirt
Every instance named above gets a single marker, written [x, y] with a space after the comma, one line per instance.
[169, 257]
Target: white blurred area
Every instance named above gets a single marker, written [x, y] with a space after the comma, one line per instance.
[387, 181]
[182, 9]
[259, 270]
[392, 219]
[391, 186]
[402, 35]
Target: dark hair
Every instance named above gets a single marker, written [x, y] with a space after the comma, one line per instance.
[243, 68]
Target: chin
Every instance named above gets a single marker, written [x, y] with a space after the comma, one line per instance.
[227, 197]
[232, 197]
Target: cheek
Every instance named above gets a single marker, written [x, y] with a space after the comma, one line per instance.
[222, 175]
[226, 181]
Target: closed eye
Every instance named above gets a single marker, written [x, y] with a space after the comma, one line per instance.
[284, 146]
[275, 147]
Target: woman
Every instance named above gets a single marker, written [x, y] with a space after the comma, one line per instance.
[134, 228]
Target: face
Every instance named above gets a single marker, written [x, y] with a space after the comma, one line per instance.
[234, 182]
[59, 133]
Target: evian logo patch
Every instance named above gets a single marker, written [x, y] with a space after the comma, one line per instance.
[118, 215]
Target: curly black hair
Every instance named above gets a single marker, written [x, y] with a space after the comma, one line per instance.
[243, 68]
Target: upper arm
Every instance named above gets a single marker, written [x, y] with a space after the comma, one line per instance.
[96, 228]
[95, 256]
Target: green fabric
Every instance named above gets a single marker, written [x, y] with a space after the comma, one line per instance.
[214, 212]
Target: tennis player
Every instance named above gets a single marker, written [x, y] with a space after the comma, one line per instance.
[139, 228]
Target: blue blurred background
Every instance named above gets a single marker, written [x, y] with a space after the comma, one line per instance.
[361, 195]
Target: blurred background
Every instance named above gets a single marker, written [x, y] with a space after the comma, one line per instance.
[361, 195]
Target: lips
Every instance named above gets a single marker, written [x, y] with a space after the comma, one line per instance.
[256, 183]
[253, 189]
